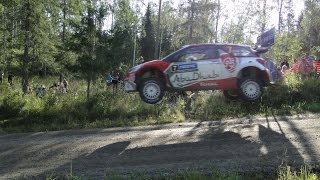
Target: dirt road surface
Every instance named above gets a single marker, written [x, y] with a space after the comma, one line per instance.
[248, 144]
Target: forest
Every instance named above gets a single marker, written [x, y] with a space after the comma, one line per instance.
[83, 40]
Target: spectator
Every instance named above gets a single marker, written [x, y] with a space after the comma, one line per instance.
[10, 78]
[65, 84]
[272, 68]
[1, 77]
[108, 79]
[58, 88]
[285, 62]
[284, 69]
[54, 86]
[41, 90]
[115, 81]
[279, 73]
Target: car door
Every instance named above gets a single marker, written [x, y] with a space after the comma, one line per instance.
[195, 68]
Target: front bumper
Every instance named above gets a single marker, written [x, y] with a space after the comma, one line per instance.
[129, 83]
[130, 86]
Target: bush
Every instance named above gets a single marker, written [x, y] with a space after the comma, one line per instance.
[12, 104]
[103, 109]
[310, 90]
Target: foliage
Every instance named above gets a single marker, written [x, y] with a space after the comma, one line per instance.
[148, 40]
[287, 46]
[56, 111]
[12, 104]
[284, 173]
[309, 31]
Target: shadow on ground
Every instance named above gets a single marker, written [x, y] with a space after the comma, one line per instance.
[224, 150]
[243, 147]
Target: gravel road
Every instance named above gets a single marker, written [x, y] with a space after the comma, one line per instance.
[248, 144]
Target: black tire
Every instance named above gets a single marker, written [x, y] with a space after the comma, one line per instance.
[231, 94]
[151, 90]
[250, 89]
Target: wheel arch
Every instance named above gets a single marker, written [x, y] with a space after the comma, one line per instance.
[150, 73]
[254, 72]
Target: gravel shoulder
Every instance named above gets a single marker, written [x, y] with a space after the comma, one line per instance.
[247, 144]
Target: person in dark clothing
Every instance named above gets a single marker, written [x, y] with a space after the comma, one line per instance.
[10, 78]
[1, 77]
[284, 63]
[115, 81]
[65, 84]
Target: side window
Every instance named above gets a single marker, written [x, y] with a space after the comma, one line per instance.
[242, 51]
[239, 51]
[197, 54]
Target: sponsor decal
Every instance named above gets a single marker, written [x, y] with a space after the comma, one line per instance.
[185, 67]
[184, 79]
[174, 68]
[229, 63]
[206, 84]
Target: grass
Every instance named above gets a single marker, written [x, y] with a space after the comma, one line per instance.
[54, 111]
[283, 173]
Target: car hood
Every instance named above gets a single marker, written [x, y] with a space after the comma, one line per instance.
[155, 64]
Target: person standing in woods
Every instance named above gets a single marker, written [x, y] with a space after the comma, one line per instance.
[65, 84]
[10, 78]
[115, 81]
[1, 77]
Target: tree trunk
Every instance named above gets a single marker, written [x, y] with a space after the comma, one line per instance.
[4, 41]
[217, 21]
[280, 2]
[264, 15]
[190, 36]
[25, 58]
[64, 11]
[92, 39]
[88, 86]
[156, 52]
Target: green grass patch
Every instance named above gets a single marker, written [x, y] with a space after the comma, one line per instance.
[56, 111]
[284, 173]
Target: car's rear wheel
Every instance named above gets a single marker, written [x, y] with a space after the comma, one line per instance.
[250, 89]
[151, 90]
[231, 94]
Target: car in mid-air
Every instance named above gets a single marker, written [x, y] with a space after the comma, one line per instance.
[237, 70]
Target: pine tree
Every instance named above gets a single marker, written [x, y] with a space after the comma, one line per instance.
[148, 41]
[310, 32]
[290, 21]
[38, 37]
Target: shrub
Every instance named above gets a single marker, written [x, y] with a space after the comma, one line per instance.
[310, 90]
[12, 104]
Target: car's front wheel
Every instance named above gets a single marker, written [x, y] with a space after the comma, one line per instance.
[250, 89]
[151, 90]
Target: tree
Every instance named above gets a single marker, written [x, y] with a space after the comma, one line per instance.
[309, 31]
[37, 35]
[157, 43]
[198, 19]
[88, 43]
[148, 40]
[290, 21]
[280, 21]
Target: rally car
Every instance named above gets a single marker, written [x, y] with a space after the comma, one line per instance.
[237, 70]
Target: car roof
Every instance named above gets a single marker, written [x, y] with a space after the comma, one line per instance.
[215, 44]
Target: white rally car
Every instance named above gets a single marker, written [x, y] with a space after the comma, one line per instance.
[237, 70]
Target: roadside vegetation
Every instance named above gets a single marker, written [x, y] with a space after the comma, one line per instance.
[72, 110]
[284, 173]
